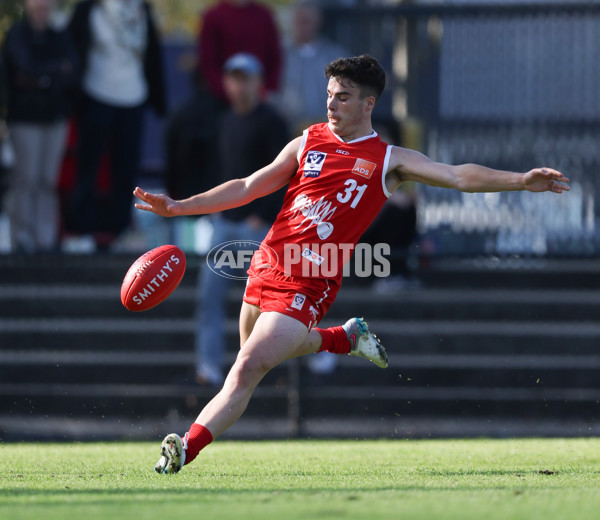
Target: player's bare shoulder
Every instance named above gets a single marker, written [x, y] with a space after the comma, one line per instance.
[277, 174]
[289, 154]
[409, 165]
[399, 166]
[296, 145]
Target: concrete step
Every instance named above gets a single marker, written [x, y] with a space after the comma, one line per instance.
[426, 336]
[138, 401]
[522, 273]
[172, 368]
[447, 402]
[154, 401]
[514, 272]
[130, 427]
[81, 301]
[476, 339]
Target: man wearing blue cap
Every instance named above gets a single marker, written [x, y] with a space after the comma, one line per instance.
[251, 135]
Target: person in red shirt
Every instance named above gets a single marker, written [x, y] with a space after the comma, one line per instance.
[339, 174]
[234, 26]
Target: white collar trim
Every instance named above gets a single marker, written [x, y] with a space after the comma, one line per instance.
[363, 138]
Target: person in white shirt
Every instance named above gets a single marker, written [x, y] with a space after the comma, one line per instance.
[122, 73]
[42, 67]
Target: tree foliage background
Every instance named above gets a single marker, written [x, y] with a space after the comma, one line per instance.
[9, 10]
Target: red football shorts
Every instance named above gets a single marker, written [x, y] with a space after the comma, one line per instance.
[304, 299]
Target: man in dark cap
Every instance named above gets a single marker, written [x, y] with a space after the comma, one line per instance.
[251, 135]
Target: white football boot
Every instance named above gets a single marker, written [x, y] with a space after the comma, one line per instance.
[364, 343]
[172, 449]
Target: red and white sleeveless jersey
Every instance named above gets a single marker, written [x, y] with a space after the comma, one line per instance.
[336, 193]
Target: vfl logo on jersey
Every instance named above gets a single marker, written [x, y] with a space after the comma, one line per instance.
[364, 168]
[298, 301]
[313, 163]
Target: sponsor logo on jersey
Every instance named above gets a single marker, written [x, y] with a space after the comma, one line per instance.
[313, 257]
[314, 163]
[343, 152]
[298, 301]
[364, 168]
[313, 213]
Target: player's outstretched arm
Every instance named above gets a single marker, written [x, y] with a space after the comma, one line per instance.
[231, 194]
[410, 165]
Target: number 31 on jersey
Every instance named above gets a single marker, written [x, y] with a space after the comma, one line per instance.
[353, 191]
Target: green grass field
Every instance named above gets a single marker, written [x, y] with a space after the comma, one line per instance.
[461, 479]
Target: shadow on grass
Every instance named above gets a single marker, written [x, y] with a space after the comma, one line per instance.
[160, 493]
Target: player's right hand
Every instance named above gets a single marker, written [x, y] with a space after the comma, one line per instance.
[156, 203]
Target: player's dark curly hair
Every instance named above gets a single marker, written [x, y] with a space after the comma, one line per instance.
[364, 71]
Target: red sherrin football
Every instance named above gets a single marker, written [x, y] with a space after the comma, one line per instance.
[152, 278]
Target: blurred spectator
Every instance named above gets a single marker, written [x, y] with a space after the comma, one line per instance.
[399, 214]
[7, 158]
[6, 147]
[191, 143]
[233, 26]
[122, 73]
[227, 28]
[41, 70]
[3, 88]
[304, 86]
[251, 135]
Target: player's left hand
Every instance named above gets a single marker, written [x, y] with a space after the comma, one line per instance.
[545, 179]
[157, 203]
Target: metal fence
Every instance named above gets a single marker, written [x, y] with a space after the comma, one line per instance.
[511, 86]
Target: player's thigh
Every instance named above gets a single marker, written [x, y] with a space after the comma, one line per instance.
[248, 316]
[274, 338]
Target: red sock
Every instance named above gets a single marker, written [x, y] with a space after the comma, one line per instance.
[334, 340]
[198, 438]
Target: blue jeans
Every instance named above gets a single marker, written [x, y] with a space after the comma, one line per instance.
[212, 300]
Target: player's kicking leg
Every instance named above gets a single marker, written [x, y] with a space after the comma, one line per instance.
[274, 339]
[354, 338]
